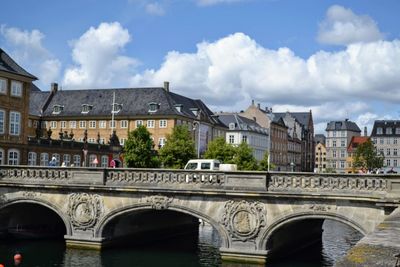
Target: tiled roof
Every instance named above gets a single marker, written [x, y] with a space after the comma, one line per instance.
[384, 124]
[345, 125]
[134, 102]
[356, 141]
[9, 65]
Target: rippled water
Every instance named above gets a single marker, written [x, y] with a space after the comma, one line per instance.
[337, 239]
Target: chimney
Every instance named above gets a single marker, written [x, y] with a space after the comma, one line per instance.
[365, 131]
[259, 106]
[166, 86]
[54, 87]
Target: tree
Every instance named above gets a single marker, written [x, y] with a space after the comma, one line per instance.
[138, 149]
[263, 165]
[178, 149]
[219, 149]
[366, 157]
[244, 158]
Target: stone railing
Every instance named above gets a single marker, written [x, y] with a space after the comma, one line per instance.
[30, 174]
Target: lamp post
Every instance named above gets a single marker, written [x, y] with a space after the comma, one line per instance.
[292, 164]
[196, 124]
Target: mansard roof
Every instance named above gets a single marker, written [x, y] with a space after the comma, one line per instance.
[134, 102]
[385, 124]
[7, 64]
[240, 123]
[345, 125]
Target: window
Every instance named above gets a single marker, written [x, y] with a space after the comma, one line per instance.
[16, 88]
[82, 124]
[57, 109]
[139, 123]
[104, 161]
[57, 156]
[343, 133]
[334, 143]
[102, 141]
[381, 151]
[389, 130]
[91, 140]
[15, 123]
[394, 151]
[153, 107]
[163, 123]
[388, 152]
[124, 124]
[66, 159]
[334, 134]
[388, 162]
[395, 141]
[93, 160]
[53, 124]
[122, 141]
[398, 130]
[343, 143]
[44, 159]
[116, 108]
[342, 164]
[379, 130]
[2, 117]
[77, 160]
[395, 163]
[102, 124]
[334, 153]
[1, 156]
[32, 159]
[388, 141]
[86, 108]
[161, 142]
[3, 86]
[150, 124]
[13, 157]
[342, 154]
[381, 140]
[72, 124]
[63, 124]
[92, 124]
[231, 139]
[374, 141]
[244, 139]
[112, 124]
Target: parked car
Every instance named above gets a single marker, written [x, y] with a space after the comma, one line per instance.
[203, 164]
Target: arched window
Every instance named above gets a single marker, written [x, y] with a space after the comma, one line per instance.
[32, 159]
[66, 159]
[77, 160]
[13, 157]
[1, 156]
[104, 161]
[92, 160]
[44, 159]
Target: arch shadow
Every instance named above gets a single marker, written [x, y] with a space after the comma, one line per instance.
[98, 232]
[43, 203]
[304, 216]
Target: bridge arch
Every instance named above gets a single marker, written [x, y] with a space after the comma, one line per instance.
[276, 225]
[98, 233]
[42, 203]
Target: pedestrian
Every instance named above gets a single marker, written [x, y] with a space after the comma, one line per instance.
[53, 162]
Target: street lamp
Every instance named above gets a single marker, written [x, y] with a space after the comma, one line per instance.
[196, 124]
[292, 165]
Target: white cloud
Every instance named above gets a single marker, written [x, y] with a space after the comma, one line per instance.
[29, 52]
[342, 27]
[98, 60]
[155, 9]
[215, 2]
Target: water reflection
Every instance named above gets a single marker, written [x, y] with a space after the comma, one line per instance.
[182, 251]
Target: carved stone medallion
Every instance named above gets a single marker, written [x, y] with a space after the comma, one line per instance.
[159, 202]
[84, 210]
[243, 219]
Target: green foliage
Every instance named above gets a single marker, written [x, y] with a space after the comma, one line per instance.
[219, 149]
[138, 149]
[178, 149]
[366, 157]
[263, 166]
[244, 158]
[241, 155]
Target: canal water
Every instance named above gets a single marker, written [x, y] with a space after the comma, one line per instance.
[184, 251]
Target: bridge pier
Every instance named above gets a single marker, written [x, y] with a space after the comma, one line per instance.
[79, 242]
[238, 256]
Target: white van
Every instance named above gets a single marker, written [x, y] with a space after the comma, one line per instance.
[203, 164]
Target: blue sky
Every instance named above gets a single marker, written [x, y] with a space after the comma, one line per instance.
[338, 58]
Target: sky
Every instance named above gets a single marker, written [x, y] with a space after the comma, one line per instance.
[341, 59]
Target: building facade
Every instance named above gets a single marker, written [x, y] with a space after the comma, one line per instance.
[320, 158]
[386, 137]
[338, 137]
[351, 150]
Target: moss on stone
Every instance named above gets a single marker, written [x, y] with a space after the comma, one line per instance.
[360, 253]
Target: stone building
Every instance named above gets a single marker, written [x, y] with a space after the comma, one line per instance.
[241, 129]
[386, 137]
[338, 137]
[15, 88]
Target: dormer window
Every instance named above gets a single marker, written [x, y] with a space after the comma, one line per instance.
[195, 111]
[57, 109]
[116, 108]
[231, 126]
[178, 107]
[379, 130]
[86, 108]
[153, 106]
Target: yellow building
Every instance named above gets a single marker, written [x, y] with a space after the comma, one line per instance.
[351, 149]
[320, 158]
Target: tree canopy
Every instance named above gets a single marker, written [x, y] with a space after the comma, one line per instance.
[138, 149]
[366, 157]
[263, 165]
[178, 149]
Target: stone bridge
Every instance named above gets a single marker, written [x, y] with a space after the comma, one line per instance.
[254, 213]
